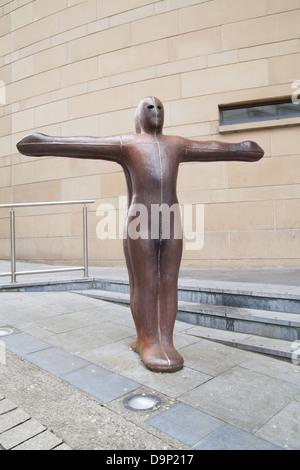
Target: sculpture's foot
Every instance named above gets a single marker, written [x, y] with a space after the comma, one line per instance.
[158, 358]
[136, 346]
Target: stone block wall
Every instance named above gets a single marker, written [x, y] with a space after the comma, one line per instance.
[75, 67]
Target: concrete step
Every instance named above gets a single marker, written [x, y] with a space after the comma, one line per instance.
[280, 325]
[110, 296]
[48, 286]
[258, 344]
[262, 323]
[275, 298]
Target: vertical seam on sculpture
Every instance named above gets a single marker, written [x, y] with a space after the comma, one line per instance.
[159, 251]
[159, 248]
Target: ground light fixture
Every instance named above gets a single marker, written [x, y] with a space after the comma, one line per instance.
[6, 331]
[142, 402]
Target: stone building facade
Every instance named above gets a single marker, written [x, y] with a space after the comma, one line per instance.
[80, 67]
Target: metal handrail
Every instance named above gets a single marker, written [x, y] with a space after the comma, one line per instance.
[13, 274]
[53, 203]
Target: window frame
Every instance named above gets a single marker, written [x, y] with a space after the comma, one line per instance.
[253, 104]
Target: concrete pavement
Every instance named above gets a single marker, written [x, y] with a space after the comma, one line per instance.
[67, 367]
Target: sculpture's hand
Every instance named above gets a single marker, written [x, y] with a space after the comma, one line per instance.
[212, 151]
[34, 145]
[250, 151]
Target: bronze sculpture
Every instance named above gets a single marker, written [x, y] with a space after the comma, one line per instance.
[150, 161]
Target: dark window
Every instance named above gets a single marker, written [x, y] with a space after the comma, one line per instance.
[253, 112]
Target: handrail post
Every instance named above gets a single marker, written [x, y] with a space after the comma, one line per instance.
[85, 238]
[13, 274]
[13, 246]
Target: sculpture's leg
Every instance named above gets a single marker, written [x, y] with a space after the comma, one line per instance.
[131, 287]
[171, 252]
[143, 262]
[153, 307]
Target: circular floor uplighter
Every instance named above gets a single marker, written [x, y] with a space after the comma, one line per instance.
[6, 331]
[142, 402]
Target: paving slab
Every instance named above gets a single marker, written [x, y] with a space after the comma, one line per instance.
[75, 320]
[185, 424]
[100, 383]
[80, 340]
[12, 418]
[229, 437]
[23, 344]
[242, 397]
[270, 366]
[288, 419]
[212, 358]
[6, 405]
[56, 361]
[117, 357]
[172, 385]
[46, 440]
[18, 434]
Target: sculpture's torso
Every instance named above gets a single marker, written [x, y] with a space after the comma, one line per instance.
[152, 163]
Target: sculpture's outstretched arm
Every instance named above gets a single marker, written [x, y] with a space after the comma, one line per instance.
[40, 145]
[221, 151]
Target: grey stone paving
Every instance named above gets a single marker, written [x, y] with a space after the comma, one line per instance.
[68, 366]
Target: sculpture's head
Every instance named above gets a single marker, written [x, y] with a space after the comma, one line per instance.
[149, 116]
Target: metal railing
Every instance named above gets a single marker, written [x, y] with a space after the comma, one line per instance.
[13, 274]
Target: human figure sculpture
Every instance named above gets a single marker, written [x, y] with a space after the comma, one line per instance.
[150, 161]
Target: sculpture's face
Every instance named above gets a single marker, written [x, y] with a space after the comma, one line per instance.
[149, 116]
